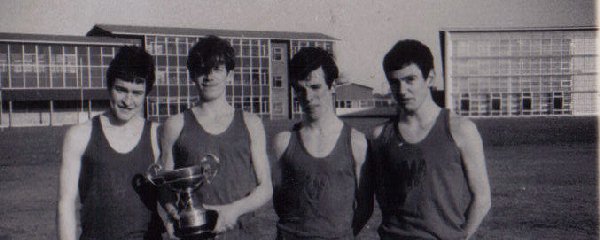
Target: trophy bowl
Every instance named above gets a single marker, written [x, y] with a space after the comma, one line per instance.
[194, 220]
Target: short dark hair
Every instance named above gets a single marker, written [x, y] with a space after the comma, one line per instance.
[131, 64]
[309, 59]
[208, 53]
[409, 51]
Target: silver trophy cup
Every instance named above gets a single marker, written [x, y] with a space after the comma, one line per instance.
[194, 221]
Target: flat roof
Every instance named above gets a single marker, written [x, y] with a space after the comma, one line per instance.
[518, 29]
[64, 39]
[147, 30]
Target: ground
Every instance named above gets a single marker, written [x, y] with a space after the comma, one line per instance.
[543, 174]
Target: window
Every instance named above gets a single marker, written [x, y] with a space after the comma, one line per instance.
[464, 105]
[558, 100]
[495, 104]
[277, 54]
[277, 81]
[526, 103]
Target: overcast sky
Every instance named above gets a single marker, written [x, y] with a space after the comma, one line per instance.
[366, 29]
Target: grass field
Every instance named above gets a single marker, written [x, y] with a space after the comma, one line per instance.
[543, 173]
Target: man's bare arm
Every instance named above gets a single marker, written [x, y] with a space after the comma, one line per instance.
[74, 144]
[469, 142]
[168, 134]
[280, 144]
[364, 207]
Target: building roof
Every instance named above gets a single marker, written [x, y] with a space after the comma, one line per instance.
[517, 29]
[64, 39]
[354, 85]
[143, 30]
[352, 91]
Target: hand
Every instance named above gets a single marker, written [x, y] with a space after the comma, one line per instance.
[228, 215]
[172, 212]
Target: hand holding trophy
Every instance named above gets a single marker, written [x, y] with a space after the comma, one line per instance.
[194, 221]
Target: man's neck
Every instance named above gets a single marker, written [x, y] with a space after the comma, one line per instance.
[322, 124]
[215, 107]
[423, 116]
[115, 122]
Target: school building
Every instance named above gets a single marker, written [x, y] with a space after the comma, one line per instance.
[57, 80]
[260, 83]
[521, 72]
[53, 80]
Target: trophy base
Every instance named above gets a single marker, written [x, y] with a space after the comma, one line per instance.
[204, 231]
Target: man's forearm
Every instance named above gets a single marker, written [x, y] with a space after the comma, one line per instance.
[254, 200]
[478, 210]
[67, 222]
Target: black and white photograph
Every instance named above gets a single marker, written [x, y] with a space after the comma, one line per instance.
[285, 120]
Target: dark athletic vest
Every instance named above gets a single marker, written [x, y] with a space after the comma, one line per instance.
[421, 188]
[235, 178]
[117, 201]
[316, 197]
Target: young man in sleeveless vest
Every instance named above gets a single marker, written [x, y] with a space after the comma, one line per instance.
[431, 176]
[319, 162]
[104, 161]
[242, 183]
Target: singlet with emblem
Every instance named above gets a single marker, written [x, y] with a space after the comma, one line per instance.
[421, 188]
[235, 178]
[316, 198]
[117, 201]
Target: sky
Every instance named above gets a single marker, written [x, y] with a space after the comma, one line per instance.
[366, 29]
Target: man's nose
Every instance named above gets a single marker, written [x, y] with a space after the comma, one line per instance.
[128, 99]
[310, 95]
[402, 89]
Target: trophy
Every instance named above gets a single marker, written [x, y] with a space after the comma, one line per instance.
[194, 220]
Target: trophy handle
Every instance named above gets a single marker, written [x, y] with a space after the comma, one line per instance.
[153, 176]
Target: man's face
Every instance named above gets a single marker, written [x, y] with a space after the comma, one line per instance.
[314, 94]
[409, 87]
[127, 99]
[212, 85]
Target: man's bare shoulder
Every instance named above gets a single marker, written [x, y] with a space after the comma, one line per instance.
[173, 123]
[462, 129]
[252, 120]
[281, 141]
[377, 130]
[79, 131]
[359, 139]
[75, 141]
[359, 146]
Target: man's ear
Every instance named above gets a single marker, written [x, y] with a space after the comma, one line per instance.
[230, 75]
[430, 78]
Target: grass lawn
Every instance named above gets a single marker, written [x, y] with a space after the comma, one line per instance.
[543, 173]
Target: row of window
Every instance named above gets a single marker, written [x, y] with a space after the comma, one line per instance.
[41, 54]
[512, 47]
[179, 46]
[533, 43]
[511, 84]
[524, 66]
[513, 104]
[161, 107]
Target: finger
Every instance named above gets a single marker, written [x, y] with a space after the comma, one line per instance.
[210, 207]
[172, 211]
